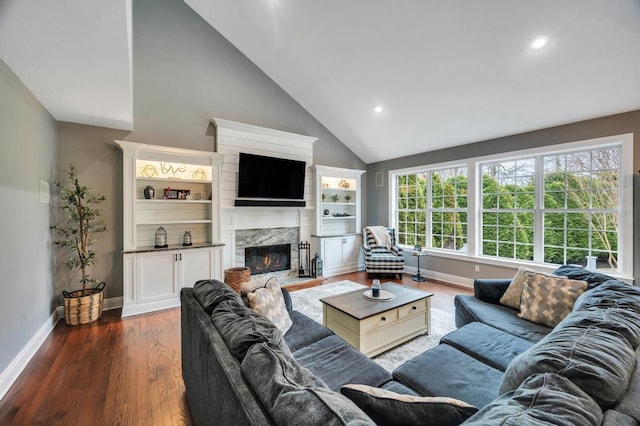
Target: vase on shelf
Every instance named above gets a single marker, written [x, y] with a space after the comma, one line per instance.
[149, 192]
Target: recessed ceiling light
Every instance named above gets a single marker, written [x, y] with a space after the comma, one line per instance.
[539, 43]
[378, 108]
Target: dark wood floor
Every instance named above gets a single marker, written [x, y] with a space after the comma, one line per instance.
[125, 371]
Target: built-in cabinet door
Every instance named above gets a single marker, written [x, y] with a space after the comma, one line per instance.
[332, 254]
[195, 265]
[157, 275]
[351, 249]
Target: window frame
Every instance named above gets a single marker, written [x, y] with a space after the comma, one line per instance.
[474, 201]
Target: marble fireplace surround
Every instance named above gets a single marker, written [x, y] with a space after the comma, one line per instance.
[264, 237]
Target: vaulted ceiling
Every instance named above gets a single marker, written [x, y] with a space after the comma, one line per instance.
[441, 73]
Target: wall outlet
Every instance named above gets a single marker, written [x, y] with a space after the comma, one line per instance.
[477, 268]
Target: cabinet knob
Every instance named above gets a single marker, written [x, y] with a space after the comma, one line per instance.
[383, 319]
[414, 308]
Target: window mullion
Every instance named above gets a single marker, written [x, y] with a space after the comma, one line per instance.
[538, 213]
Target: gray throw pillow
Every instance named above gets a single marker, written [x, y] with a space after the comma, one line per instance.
[547, 399]
[390, 408]
[292, 395]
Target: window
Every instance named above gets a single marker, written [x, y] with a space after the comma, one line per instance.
[581, 207]
[508, 200]
[437, 195]
[564, 204]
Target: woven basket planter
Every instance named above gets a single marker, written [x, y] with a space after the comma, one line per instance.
[235, 277]
[79, 309]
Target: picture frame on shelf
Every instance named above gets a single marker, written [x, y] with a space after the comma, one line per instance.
[176, 194]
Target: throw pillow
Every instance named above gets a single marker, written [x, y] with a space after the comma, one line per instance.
[269, 302]
[390, 408]
[548, 301]
[512, 295]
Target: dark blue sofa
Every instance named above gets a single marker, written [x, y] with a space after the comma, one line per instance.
[583, 371]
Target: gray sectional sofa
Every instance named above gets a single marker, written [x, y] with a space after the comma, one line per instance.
[239, 369]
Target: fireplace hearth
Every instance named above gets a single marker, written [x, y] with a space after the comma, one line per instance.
[271, 258]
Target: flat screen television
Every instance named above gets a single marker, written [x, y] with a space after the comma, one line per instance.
[270, 178]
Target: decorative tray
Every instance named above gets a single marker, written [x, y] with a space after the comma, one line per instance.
[384, 295]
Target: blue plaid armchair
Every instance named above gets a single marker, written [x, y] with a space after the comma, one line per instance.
[379, 259]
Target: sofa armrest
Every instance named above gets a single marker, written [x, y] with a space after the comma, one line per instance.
[397, 250]
[287, 299]
[490, 290]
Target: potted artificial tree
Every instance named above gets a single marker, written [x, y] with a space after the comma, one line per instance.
[77, 230]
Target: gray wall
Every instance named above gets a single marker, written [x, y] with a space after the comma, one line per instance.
[28, 135]
[184, 74]
[378, 198]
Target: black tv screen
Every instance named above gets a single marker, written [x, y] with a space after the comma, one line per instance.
[270, 177]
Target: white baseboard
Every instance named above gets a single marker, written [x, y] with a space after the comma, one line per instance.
[17, 365]
[454, 279]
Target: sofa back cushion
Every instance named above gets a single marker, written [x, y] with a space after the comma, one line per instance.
[211, 292]
[597, 360]
[541, 399]
[292, 395]
[593, 279]
[241, 328]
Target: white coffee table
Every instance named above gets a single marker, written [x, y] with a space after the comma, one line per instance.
[373, 326]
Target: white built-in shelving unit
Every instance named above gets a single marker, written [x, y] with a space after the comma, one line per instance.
[337, 233]
[186, 187]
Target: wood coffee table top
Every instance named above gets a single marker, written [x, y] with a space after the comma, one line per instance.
[356, 305]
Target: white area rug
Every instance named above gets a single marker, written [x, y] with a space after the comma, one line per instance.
[308, 302]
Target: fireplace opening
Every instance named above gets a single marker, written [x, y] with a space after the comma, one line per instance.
[265, 259]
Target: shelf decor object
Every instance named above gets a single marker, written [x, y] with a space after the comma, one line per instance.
[161, 238]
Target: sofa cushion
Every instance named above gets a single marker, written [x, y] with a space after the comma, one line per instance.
[211, 292]
[611, 294]
[241, 328]
[292, 395]
[269, 302]
[512, 295]
[616, 418]
[628, 404]
[397, 387]
[548, 301]
[593, 279]
[304, 331]
[469, 380]
[487, 344]
[470, 309]
[597, 360]
[541, 399]
[388, 408]
[337, 363]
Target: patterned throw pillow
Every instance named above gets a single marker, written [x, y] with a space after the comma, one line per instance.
[548, 301]
[269, 302]
[511, 297]
[388, 408]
